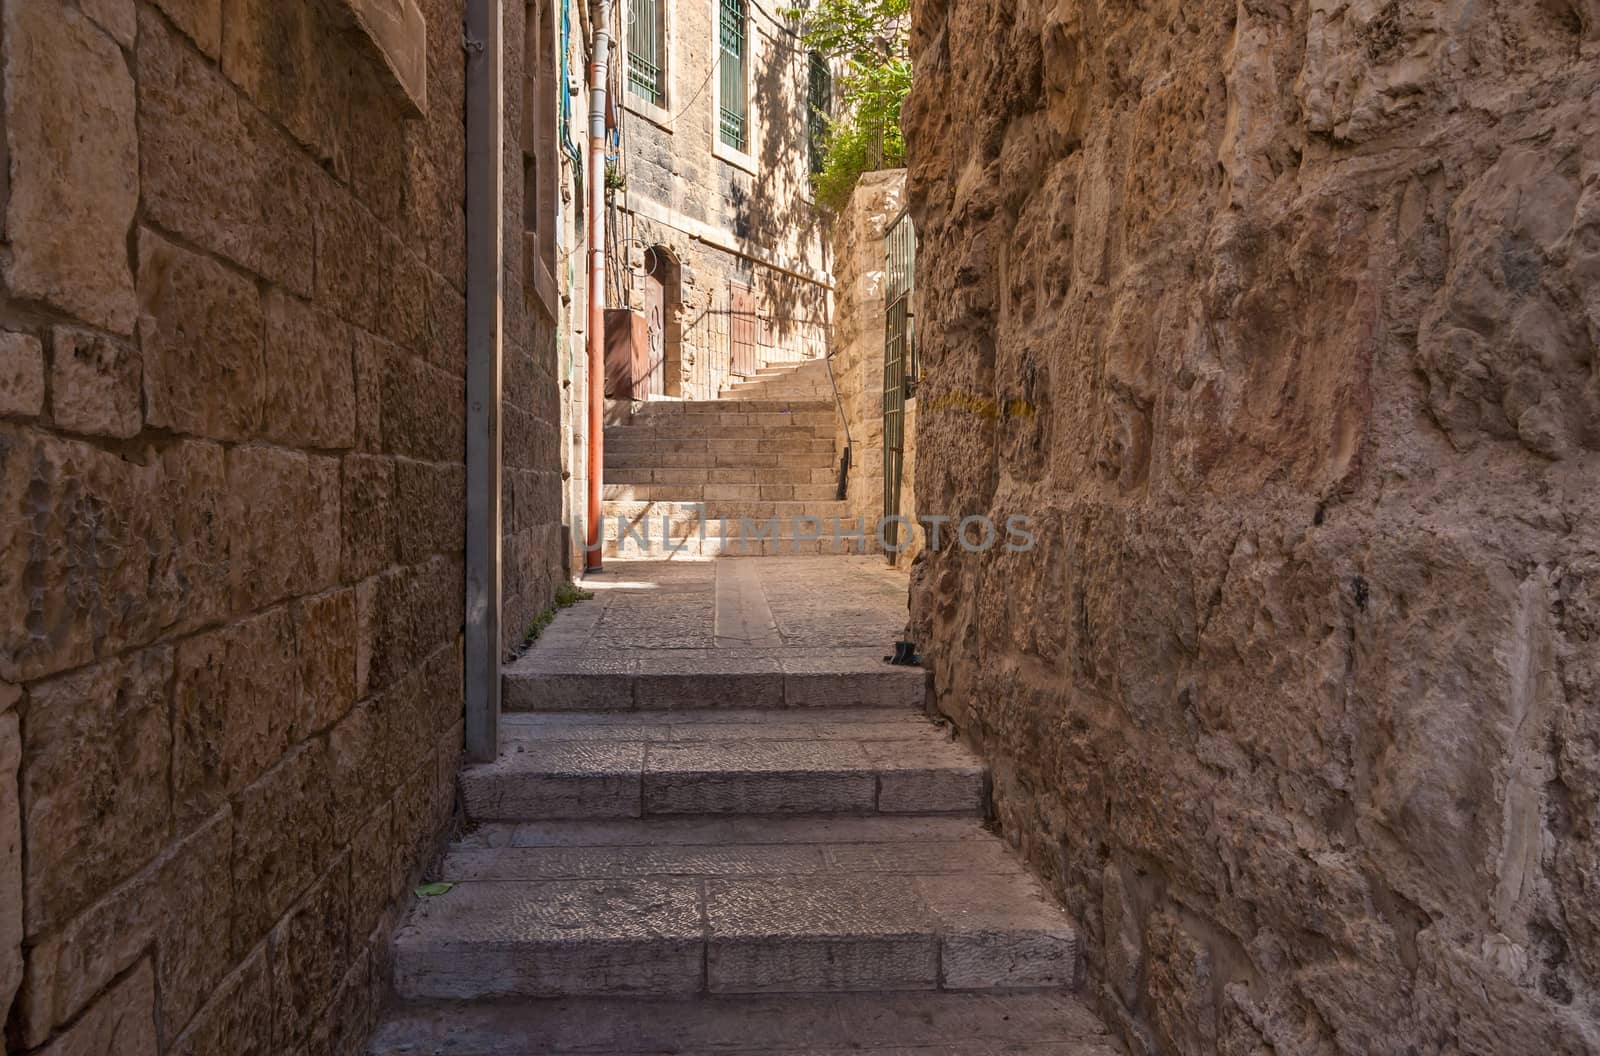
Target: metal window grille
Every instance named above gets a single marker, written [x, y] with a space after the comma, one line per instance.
[901, 371]
[734, 117]
[819, 106]
[646, 70]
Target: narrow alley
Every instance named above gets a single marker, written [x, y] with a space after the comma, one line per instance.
[799, 528]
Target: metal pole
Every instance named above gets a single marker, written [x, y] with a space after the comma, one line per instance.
[593, 529]
[485, 253]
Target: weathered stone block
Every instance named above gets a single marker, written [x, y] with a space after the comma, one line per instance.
[234, 709]
[200, 336]
[368, 275]
[95, 384]
[105, 552]
[415, 609]
[123, 1022]
[282, 839]
[310, 376]
[349, 1019]
[368, 516]
[447, 325]
[398, 34]
[432, 498]
[217, 173]
[201, 20]
[21, 375]
[261, 39]
[116, 17]
[441, 685]
[270, 562]
[370, 354]
[372, 749]
[97, 754]
[178, 906]
[73, 150]
[240, 1019]
[372, 851]
[310, 951]
[10, 859]
[325, 638]
[416, 825]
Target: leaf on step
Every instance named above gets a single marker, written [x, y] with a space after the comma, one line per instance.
[434, 890]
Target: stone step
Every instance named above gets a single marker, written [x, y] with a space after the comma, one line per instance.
[723, 761]
[1029, 1023]
[812, 907]
[727, 415]
[685, 515]
[706, 426]
[629, 473]
[714, 546]
[645, 457]
[719, 492]
[718, 448]
[559, 677]
[820, 390]
[698, 408]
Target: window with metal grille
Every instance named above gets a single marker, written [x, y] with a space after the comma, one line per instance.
[819, 107]
[734, 103]
[647, 52]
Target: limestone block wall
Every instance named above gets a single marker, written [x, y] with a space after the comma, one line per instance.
[1281, 321]
[231, 447]
[857, 351]
[532, 411]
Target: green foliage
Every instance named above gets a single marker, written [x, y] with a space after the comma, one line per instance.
[866, 42]
[569, 594]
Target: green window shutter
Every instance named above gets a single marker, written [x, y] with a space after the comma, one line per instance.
[647, 52]
[734, 119]
[819, 106]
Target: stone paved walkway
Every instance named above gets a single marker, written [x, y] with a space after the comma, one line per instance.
[786, 631]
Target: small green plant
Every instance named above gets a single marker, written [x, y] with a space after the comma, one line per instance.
[866, 40]
[568, 594]
[538, 625]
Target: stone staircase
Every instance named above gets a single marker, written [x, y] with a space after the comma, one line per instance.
[754, 473]
[803, 381]
[734, 850]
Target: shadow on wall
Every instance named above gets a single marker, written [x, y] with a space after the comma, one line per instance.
[774, 207]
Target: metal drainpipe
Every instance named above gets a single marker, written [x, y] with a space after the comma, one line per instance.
[593, 529]
[485, 254]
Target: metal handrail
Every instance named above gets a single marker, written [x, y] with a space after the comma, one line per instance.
[849, 443]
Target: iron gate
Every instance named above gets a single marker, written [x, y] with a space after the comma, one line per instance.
[899, 366]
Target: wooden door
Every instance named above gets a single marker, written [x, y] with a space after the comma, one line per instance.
[742, 329]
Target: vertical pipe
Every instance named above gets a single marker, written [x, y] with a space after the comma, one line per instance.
[485, 254]
[593, 529]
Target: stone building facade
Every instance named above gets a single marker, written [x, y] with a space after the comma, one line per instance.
[1292, 310]
[729, 232]
[231, 509]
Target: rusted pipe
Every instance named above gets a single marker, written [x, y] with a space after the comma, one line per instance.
[594, 535]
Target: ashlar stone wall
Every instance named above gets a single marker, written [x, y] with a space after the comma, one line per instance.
[231, 469]
[1281, 320]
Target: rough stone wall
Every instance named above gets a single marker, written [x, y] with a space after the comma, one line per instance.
[1281, 321]
[231, 444]
[857, 351]
[532, 550]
